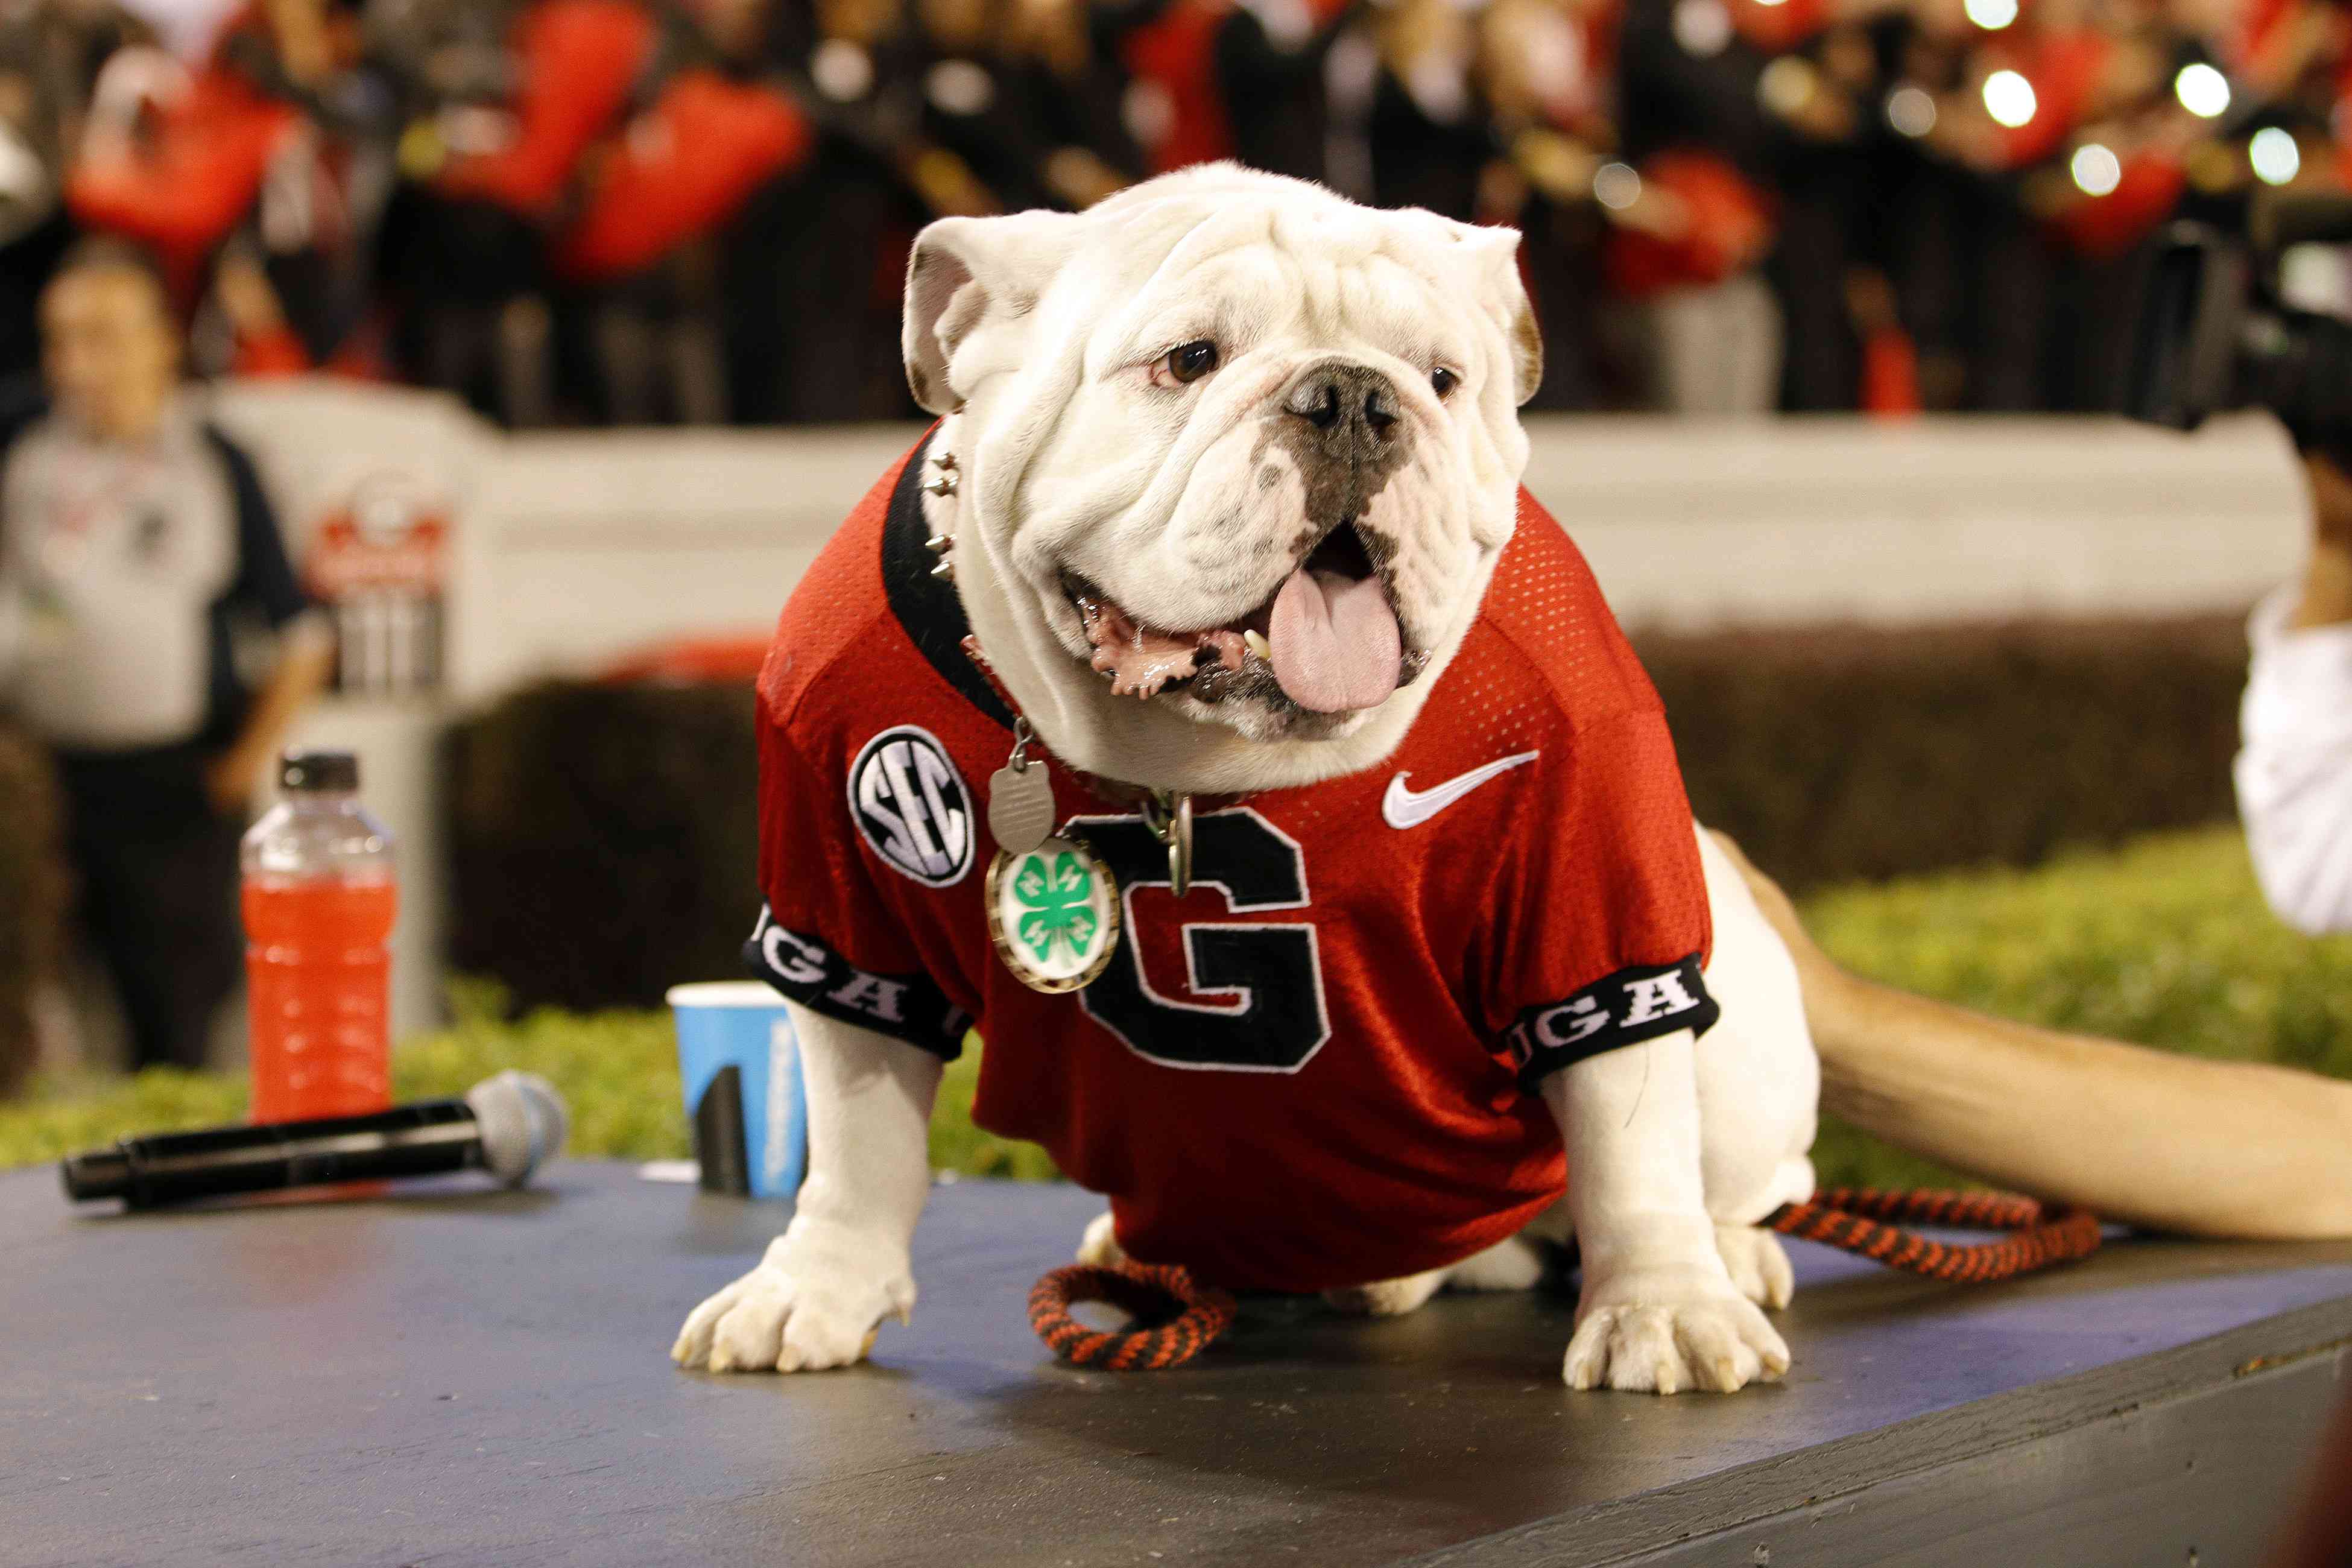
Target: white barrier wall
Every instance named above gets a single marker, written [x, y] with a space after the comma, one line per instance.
[319, 442]
[1813, 519]
[583, 547]
[587, 546]
[573, 549]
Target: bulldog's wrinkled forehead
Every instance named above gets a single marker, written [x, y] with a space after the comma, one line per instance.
[1242, 259]
[1238, 264]
[1189, 227]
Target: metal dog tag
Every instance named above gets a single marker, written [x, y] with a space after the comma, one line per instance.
[1053, 914]
[1020, 807]
[1020, 797]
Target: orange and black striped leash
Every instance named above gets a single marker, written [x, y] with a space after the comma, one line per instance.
[1150, 1291]
[1855, 1220]
[1178, 1316]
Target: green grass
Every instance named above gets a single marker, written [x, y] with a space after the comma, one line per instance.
[2166, 941]
[618, 1072]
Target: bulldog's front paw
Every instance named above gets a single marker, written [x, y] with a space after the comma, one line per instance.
[815, 1301]
[1662, 1331]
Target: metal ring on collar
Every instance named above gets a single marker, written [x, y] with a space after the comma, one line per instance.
[1169, 817]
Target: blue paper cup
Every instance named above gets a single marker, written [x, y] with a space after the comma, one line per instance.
[740, 1063]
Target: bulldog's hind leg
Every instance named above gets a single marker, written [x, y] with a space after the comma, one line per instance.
[1759, 1264]
[1514, 1264]
[1759, 1087]
[1388, 1298]
[1100, 1247]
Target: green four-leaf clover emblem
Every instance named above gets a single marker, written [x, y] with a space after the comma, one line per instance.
[1057, 900]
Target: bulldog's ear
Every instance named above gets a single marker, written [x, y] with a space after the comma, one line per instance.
[1511, 291]
[1527, 342]
[1506, 296]
[967, 273]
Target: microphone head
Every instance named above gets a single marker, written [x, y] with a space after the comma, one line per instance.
[524, 1124]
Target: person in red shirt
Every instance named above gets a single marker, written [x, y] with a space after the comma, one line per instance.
[259, 180]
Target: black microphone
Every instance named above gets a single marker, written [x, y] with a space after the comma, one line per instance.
[508, 1125]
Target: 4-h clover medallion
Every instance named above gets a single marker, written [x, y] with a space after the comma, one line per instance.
[1053, 914]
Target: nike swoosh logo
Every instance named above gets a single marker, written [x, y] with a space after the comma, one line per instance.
[1402, 807]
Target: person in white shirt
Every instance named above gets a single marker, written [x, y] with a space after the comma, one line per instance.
[136, 549]
[2294, 764]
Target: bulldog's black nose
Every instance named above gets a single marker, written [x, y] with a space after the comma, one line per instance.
[1352, 409]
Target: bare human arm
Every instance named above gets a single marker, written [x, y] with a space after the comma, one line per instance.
[301, 673]
[2172, 1142]
[2325, 598]
[265, 586]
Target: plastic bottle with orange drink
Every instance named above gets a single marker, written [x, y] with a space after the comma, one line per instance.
[319, 895]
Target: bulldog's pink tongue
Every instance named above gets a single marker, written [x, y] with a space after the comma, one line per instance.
[1336, 642]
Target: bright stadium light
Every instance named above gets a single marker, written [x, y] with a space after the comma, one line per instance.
[1911, 110]
[2202, 90]
[2274, 155]
[2009, 99]
[1703, 27]
[1786, 85]
[1992, 15]
[2097, 170]
[1616, 186]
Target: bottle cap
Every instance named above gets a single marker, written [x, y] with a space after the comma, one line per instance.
[305, 773]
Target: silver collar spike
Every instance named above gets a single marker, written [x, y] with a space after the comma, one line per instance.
[942, 484]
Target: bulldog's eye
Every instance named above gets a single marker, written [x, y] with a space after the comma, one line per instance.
[1442, 382]
[1190, 362]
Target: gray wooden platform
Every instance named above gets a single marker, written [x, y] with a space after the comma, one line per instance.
[457, 1377]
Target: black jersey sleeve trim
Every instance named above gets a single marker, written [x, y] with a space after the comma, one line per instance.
[927, 607]
[907, 1007]
[1624, 1009]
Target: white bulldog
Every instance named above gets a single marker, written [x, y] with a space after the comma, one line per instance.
[1237, 460]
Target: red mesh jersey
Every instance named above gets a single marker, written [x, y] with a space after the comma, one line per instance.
[1313, 1071]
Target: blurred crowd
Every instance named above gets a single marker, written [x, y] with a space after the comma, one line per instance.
[584, 211]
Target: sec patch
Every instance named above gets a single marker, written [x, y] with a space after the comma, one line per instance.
[911, 806]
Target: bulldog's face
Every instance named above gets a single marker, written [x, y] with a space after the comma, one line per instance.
[1236, 448]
